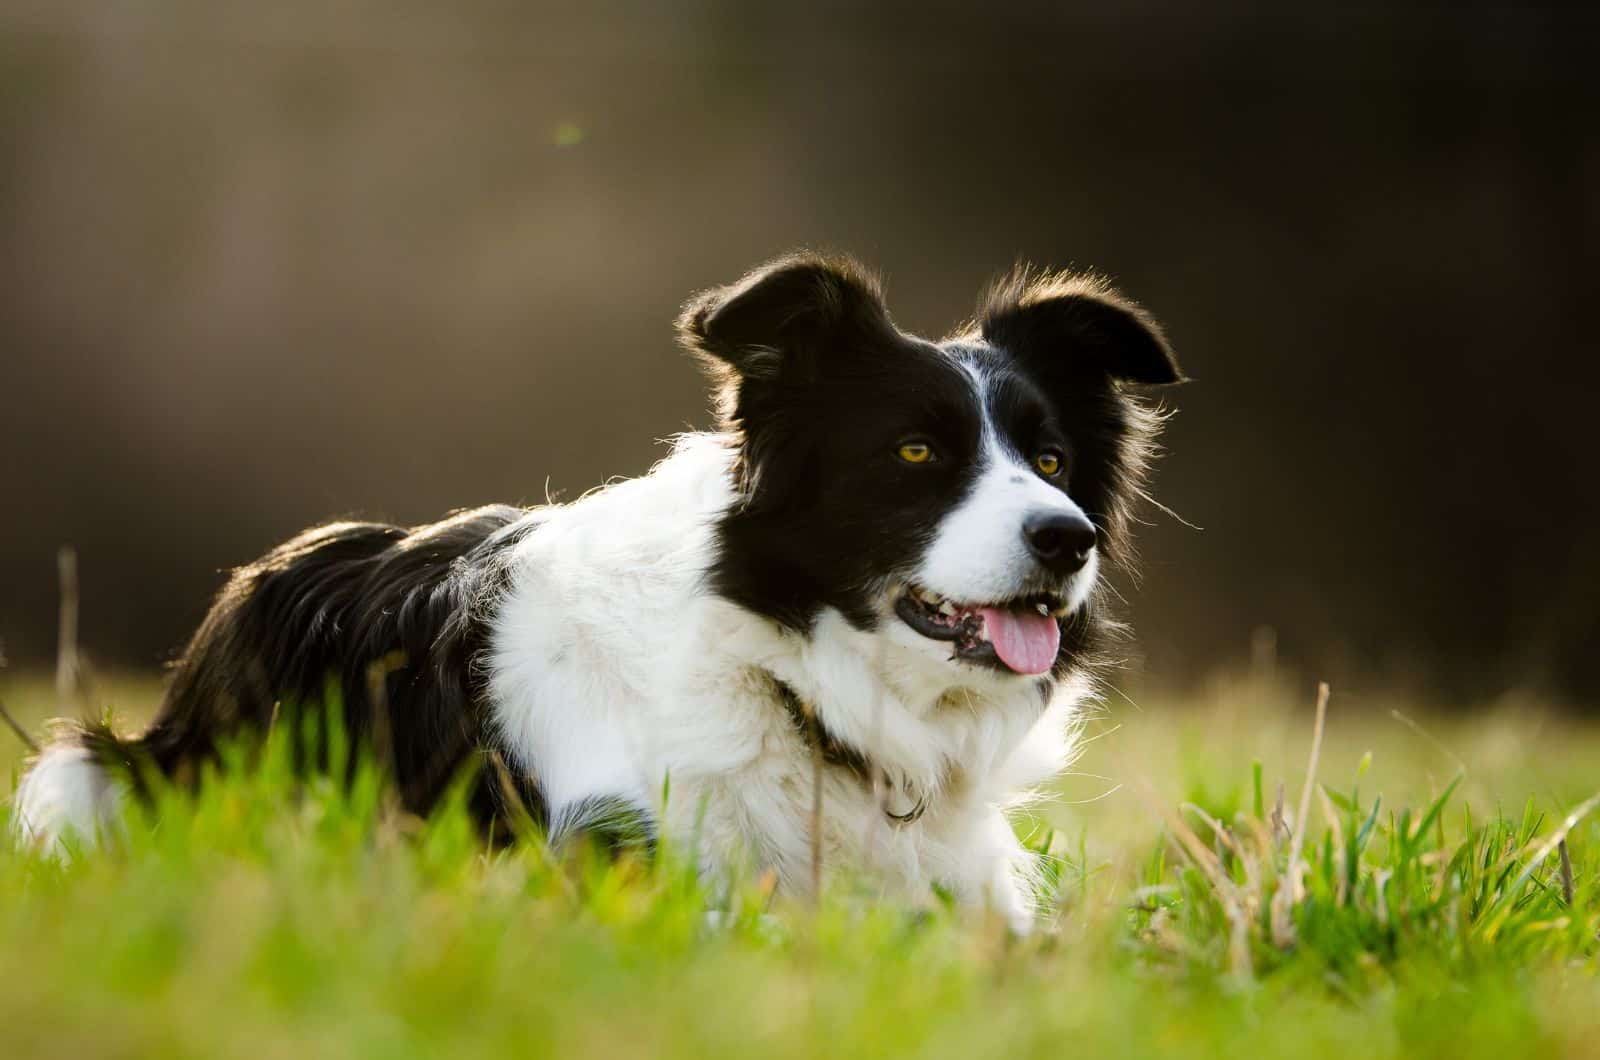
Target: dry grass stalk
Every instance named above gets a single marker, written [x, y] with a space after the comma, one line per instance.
[72, 665]
[1248, 895]
[1290, 887]
[1234, 904]
[69, 666]
[16, 727]
[67, 628]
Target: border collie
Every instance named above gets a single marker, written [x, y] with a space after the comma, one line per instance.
[870, 600]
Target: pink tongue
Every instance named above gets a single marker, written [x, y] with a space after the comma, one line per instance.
[1025, 641]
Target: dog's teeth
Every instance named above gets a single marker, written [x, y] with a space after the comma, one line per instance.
[1044, 609]
[947, 608]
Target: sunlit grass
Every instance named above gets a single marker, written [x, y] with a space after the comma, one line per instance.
[269, 916]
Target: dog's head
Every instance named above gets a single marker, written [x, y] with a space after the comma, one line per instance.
[960, 496]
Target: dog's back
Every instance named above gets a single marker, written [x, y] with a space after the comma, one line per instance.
[374, 627]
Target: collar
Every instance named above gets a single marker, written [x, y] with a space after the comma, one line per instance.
[837, 753]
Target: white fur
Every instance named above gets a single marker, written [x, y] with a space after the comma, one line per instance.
[65, 798]
[979, 554]
[614, 671]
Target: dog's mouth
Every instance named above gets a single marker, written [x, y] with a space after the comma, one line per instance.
[1021, 635]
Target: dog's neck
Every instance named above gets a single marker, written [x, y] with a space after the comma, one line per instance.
[831, 751]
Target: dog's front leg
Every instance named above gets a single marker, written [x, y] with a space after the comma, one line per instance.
[999, 873]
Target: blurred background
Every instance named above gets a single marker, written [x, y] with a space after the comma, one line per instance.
[262, 264]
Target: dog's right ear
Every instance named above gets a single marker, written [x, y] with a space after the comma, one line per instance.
[785, 317]
[1076, 326]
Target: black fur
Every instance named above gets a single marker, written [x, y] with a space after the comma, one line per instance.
[819, 387]
[389, 622]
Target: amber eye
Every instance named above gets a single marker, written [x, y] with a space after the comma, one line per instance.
[915, 452]
[1048, 463]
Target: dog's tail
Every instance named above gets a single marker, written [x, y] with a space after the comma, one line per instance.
[67, 797]
[227, 680]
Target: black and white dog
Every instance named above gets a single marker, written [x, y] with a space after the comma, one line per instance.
[882, 570]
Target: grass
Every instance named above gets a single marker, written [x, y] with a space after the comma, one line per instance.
[1428, 916]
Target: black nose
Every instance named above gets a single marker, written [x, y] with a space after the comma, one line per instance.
[1061, 541]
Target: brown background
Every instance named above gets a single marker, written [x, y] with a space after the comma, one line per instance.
[261, 264]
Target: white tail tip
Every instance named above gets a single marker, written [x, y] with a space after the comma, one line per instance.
[66, 793]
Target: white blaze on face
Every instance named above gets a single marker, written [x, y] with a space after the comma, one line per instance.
[978, 554]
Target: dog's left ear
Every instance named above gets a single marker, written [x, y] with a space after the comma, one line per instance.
[785, 316]
[1079, 325]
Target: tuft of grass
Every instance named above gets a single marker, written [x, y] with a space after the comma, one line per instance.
[267, 915]
[1371, 892]
[1257, 895]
